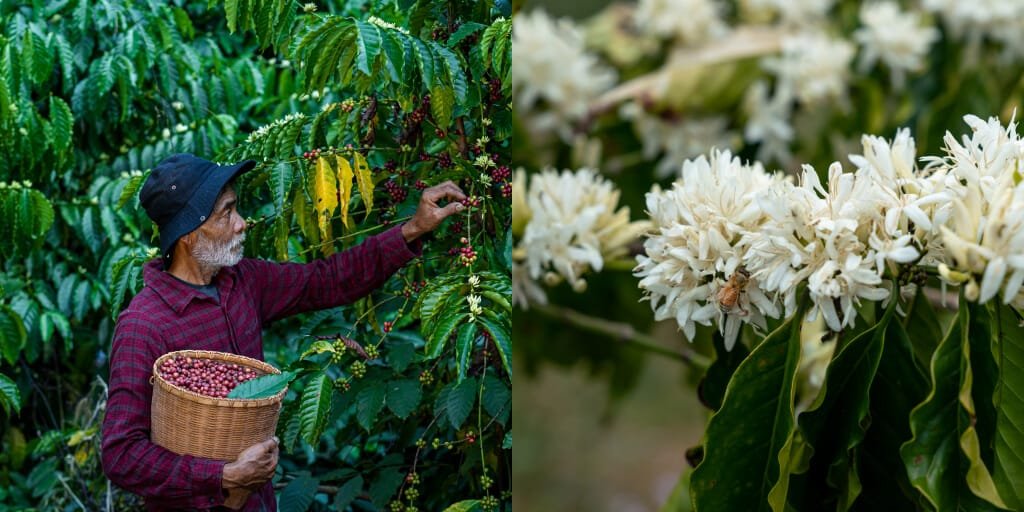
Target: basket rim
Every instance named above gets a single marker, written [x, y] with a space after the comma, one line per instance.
[222, 356]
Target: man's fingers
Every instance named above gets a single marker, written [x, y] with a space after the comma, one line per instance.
[451, 209]
[444, 190]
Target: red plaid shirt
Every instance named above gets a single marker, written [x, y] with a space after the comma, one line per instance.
[169, 315]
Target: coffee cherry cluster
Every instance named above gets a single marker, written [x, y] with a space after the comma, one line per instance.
[388, 326]
[494, 89]
[444, 160]
[501, 173]
[473, 201]
[420, 185]
[358, 369]
[205, 376]
[339, 351]
[413, 287]
[397, 192]
[489, 503]
[426, 378]
[311, 155]
[466, 253]
[506, 190]
[371, 351]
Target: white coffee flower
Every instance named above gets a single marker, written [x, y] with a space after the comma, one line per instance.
[984, 236]
[690, 21]
[998, 20]
[898, 39]
[525, 290]
[790, 12]
[697, 244]
[576, 224]
[768, 121]
[551, 65]
[815, 65]
[677, 139]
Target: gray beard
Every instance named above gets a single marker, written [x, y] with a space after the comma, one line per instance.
[213, 256]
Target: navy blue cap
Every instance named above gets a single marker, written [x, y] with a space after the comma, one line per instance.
[180, 194]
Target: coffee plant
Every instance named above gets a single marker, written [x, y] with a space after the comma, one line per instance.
[400, 401]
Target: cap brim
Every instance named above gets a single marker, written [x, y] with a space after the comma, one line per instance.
[200, 206]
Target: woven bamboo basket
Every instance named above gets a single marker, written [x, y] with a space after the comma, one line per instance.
[188, 423]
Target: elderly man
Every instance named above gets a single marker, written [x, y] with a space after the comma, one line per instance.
[201, 294]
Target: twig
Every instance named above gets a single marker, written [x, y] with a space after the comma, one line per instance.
[624, 333]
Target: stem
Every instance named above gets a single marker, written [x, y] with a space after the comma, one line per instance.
[624, 333]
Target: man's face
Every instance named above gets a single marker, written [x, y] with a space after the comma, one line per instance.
[219, 239]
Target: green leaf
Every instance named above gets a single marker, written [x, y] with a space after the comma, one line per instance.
[300, 493]
[12, 334]
[1008, 345]
[713, 385]
[507, 443]
[348, 493]
[442, 329]
[744, 437]
[419, 13]
[315, 407]
[922, 321]
[281, 177]
[834, 425]
[465, 30]
[385, 485]
[262, 387]
[403, 396]
[394, 51]
[368, 43]
[442, 103]
[121, 276]
[464, 347]
[465, 506]
[231, 14]
[61, 121]
[425, 62]
[400, 354]
[369, 402]
[10, 396]
[500, 330]
[131, 189]
[456, 400]
[899, 385]
[435, 292]
[497, 399]
[934, 459]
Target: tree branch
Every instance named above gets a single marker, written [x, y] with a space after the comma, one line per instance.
[624, 333]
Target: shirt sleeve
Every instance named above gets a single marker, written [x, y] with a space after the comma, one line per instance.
[284, 289]
[129, 458]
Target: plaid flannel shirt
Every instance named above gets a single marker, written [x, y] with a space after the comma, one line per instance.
[169, 315]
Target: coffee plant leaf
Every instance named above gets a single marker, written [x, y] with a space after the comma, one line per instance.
[368, 43]
[348, 492]
[741, 464]
[403, 396]
[325, 195]
[345, 183]
[507, 443]
[10, 397]
[12, 334]
[465, 506]
[262, 387]
[385, 485]
[497, 399]
[499, 327]
[300, 493]
[942, 449]
[456, 401]
[315, 408]
[368, 405]
[464, 338]
[364, 179]
[1008, 343]
[465, 30]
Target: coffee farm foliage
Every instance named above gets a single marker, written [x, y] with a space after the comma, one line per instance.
[350, 109]
[706, 131]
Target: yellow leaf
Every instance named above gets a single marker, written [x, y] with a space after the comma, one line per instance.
[76, 438]
[365, 180]
[82, 455]
[304, 217]
[344, 186]
[325, 196]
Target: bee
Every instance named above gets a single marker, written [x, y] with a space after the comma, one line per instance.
[729, 295]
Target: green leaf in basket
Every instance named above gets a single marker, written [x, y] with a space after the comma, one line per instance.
[262, 387]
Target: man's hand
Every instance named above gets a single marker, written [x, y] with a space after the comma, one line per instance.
[428, 214]
[253, 467]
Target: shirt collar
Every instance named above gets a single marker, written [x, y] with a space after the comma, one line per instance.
[176, 293]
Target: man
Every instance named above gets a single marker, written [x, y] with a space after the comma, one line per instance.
[201, 294]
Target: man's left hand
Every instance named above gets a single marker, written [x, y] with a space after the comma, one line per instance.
[429, 214]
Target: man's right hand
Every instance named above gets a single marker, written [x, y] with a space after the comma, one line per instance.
[254, 466]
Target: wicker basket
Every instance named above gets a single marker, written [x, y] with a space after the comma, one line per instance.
[188, 423]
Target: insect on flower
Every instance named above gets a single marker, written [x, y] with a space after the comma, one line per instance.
[729, 294]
